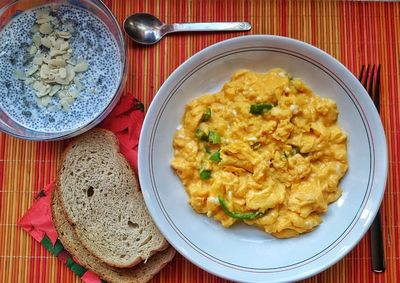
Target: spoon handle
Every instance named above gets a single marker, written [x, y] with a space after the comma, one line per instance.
[213, 26]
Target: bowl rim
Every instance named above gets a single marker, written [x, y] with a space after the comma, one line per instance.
[161, 95]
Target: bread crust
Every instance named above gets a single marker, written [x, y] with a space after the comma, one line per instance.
[141, 273]
[119, 156]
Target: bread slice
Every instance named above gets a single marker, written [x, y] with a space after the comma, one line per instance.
[141, 273]
[101, 199]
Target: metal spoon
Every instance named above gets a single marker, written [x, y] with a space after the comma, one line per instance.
[147, 29]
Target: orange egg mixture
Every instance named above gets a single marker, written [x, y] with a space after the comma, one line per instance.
[264, 150]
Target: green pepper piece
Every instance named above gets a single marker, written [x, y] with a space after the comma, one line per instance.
[260, 108]
[216, 157]
[205, 174]
[256, 145]
[295, 150]
[213, 137]
[238, 215]
[206, 115]
[207, 149]
[201, 135]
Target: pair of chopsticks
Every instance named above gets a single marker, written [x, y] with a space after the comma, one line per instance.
[370, 79]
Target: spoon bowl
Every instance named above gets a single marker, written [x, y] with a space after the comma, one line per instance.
[147, 29]
[144, 28]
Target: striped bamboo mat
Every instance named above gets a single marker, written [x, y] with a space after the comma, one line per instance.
[356, 33]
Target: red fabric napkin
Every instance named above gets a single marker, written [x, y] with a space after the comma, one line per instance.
[125, 121]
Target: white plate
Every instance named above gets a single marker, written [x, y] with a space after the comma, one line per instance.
[244, 253]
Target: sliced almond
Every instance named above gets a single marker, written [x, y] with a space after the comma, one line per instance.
[37, 39]
[61, 81]
[66, 102]
[40, 87]
[20, 75]
[29, 81]
[54, 52]
[46, 59]
[78, 84]
[46, 28]
[38, 60]
[57, 62]
[53, 69]
[61, 40]
[33, 50]
[69, 98]
[55, 22]
[44, 71]
[45, 41]
[70, 73]
[52, 76]
[45, 101]
[66, 57]
[64, 34]
[81, 67]
[62, 73]
[54, 90]
[42, 13]
[45, 19]
[32, 70]
[71, 62]
[55, 43]
[73, 93]
[35, 29]
[51, 79]
[64, 45]
[42, 94]
[62, 93]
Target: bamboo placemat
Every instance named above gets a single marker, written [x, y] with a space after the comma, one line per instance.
[355, 33]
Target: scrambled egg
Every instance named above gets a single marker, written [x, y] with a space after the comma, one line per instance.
[264, 150]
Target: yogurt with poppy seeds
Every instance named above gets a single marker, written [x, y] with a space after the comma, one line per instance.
[91, 40]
